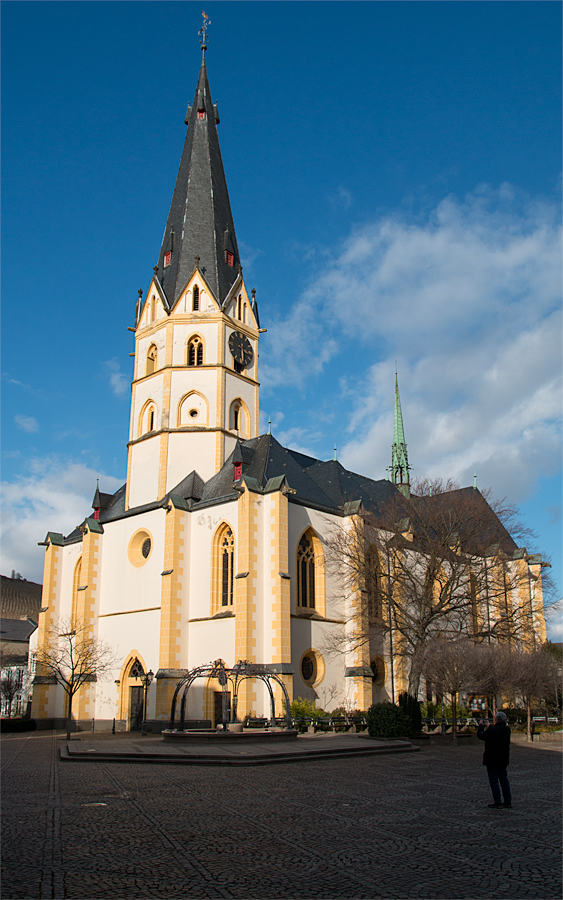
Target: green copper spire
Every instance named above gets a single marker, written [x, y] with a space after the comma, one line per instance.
[399, 459]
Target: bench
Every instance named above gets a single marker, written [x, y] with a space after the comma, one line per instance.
[254, 722]
[323, 723]
[302, 723]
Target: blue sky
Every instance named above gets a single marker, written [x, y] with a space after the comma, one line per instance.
[394, 172]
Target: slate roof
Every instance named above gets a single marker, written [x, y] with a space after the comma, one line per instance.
[200, 222]
[16, 630]
[326, 486]
[20, 598]
[481, 527]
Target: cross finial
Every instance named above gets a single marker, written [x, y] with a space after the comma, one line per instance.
[202, 32]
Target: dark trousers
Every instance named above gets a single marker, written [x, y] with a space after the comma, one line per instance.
[498, 779]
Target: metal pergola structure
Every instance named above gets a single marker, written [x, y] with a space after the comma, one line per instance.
[239, 673]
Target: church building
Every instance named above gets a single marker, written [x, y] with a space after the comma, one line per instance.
[217, 545]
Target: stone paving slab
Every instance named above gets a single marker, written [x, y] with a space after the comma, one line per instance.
[409, 826]
[251, 752]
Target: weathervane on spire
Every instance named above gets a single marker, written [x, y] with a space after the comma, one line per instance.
[203, 29]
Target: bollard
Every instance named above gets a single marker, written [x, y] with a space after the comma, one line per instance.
[92, 729]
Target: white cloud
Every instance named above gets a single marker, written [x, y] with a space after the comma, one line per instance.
[55, 496]
[117, 379]
[467, 299]
[27, 423]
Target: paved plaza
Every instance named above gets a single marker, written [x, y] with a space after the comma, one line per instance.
[405, 826]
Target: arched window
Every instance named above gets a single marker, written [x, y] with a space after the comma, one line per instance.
[152, 316]
[136, 670]
[75, 585]
[227, 568]
[474, 603]
[152, 357]
[239, 418]
[306, 571]
[147, 419]
[195, 351]
[195, 303]
[373, 583]
[223, 569]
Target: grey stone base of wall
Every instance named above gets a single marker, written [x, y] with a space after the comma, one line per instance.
[100, 726]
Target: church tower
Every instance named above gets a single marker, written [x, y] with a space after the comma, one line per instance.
[195, 383]
[399, 458]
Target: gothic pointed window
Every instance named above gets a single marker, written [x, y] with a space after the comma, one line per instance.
[147, 420]
[373, 584]
[227, 565]
[195, 351]
[136, 670]
[152, 357]
[195, 303]
[306, 571]
[75, 586]
[223, 569]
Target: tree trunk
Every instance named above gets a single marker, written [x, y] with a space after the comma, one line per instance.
[414, 680]
[454, 717]
[69, 718]
[529, 711]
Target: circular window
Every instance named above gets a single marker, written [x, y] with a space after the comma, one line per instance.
[312, 667]
[308, 668]
[140, 548]
[379, 669]
[194, 413]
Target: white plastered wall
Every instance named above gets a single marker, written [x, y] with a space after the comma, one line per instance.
[143, 478]
[150, 389]
[132, 592]
[199, 379]
[185, 330]
[188, 451]
[310, 634]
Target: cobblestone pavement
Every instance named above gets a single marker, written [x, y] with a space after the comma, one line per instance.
[407, 826]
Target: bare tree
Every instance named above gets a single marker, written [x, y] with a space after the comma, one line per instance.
[73, 658]
[534, 676]
[449, 665]
[493, 670]
[11, 683]
[437, 563]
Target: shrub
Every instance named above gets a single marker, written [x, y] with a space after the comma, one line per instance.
[411, 708]
[306, 708]
[386, 720]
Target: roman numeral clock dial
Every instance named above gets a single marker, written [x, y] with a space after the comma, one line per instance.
[241, 350]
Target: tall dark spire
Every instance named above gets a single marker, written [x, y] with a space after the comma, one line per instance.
[399, 458]
[200, 222]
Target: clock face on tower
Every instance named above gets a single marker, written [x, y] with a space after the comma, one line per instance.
[241, 348]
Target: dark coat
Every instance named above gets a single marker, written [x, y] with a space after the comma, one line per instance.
[497, 745]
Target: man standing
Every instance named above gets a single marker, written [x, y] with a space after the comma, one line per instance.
[496, 758]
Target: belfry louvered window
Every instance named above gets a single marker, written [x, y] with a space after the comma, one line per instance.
[195, 352]
[306, 572]
[227, 568]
